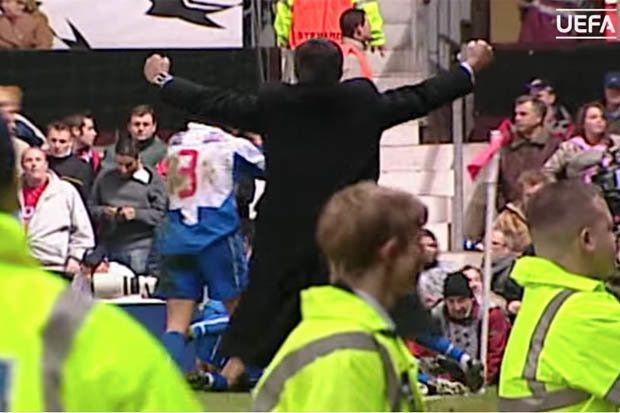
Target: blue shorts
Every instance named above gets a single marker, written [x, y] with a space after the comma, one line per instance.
[221, 266]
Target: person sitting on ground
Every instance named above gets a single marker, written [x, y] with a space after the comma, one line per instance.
[474, 275]
[345, 354]
[511, 219]
[503, 260]
[54, 216]
[460, 316]
[434, 271]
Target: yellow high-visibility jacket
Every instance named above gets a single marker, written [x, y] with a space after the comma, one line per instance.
[60, 351]
[562, 351]
[343, 356]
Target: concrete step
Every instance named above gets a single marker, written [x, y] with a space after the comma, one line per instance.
[398, 35]
[423, 157]
[442, 232]
[439, 208]
[393, 80]
[396, 11]
[463, 258]
[399, 60]
[438, 183]
[401, 135]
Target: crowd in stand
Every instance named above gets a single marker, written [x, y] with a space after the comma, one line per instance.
[540, 144]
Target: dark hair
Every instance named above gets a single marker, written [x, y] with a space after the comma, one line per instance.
[57, 125]
[424, 232]
[468, 267]
[76, 120]
[536, 85]
[539, 106]
[142, 110]
[581, 117]
[350, 20]
[127, 147]
[7, 159]
[318, 61]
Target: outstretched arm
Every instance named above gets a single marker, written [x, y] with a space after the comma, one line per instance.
[411, 102]
[211, 103]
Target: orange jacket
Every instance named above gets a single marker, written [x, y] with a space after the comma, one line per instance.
[317, 18]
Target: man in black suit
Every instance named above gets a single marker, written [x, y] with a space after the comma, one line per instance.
[319, 136]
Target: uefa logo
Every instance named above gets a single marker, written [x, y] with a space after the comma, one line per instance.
[598, 24]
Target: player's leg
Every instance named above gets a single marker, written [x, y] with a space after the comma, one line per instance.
[225, 270]
[180, 285]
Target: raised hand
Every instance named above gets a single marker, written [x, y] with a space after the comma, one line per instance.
[155, 65]
[478, 54]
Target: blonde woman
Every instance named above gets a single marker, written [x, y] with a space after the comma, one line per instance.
[23, 26]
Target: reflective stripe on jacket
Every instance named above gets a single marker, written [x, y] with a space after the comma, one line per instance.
[343, 356]
[561, 352]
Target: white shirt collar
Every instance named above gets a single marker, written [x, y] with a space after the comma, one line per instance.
[142, 175]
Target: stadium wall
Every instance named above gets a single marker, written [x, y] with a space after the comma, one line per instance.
[56, 83]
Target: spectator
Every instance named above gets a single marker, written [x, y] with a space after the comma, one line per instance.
[612, 101]
[474, 275]
[590, 134]
[461, 321]
[57, 224]
[10, 103]
[526, 144]
[142, 128]
[558, 119]
[128, 203]
[19, 125]
[356, 36]
[23, 26]
[434, 271]
[83, 131]
[502, 261]
[300, 20]
[530, 148]
[511, 219]
[61, 159]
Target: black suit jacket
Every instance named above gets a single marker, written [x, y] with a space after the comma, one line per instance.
[317, 140]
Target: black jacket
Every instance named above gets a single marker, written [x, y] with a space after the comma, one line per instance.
[317, 140]
[72, 169]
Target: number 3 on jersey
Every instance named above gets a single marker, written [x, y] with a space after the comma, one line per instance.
[188, 160]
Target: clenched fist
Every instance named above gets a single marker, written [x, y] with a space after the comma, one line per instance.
[154, 66]
[478, 54]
